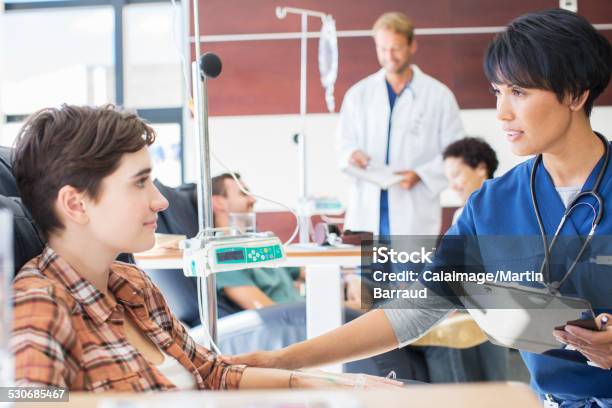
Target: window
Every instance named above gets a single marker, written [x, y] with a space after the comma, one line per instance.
[55, 56]
[166, 154]
[9, 133]
[95, 52]
[153, 76]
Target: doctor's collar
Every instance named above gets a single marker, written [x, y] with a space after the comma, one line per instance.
[412, 85]
[417, 79]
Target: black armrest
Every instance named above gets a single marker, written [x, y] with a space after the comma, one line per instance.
[27, 241]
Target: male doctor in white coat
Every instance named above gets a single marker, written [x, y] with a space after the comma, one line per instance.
[404, 118]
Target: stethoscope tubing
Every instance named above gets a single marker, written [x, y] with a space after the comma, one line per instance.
[553, 287]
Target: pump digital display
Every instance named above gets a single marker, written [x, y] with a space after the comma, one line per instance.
[227, 256]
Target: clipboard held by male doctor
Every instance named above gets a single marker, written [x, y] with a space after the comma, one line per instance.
[379, 174]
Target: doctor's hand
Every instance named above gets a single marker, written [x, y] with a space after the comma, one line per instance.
[359, 159]
[410, 179]
[594, 345]
[264, 359]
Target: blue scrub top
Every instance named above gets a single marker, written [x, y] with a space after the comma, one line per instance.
[503, 207]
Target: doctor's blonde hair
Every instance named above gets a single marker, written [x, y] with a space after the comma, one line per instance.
[397, 22]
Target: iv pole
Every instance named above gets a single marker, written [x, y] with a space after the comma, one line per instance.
[209, 66]
[204, 188]
[304, 216]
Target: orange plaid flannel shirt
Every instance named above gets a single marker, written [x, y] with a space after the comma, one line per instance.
[66, 333]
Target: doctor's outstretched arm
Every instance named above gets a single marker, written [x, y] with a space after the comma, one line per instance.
[368, 335]
[375, 332]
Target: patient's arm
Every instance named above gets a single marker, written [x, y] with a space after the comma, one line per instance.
[248, 297]
[255, 378]
[217, 374]
[264, 378]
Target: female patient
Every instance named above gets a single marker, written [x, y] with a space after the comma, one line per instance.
[81, 319]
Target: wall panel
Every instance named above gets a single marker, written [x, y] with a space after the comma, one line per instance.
[262, 77]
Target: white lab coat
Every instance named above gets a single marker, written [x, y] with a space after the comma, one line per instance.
[425, 120]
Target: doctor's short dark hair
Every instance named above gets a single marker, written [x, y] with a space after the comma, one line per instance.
[554, 50]
[473, 151]
[76, 146]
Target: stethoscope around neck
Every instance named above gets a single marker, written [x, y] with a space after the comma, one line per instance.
[553, 287]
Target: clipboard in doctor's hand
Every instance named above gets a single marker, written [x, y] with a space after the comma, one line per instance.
[379, 174]
[522, 317]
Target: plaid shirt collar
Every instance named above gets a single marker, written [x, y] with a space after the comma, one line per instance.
[99, 307]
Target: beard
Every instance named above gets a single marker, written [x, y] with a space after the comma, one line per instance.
[402, 69]
[399, 70]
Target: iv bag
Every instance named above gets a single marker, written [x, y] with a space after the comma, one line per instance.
[328, 59]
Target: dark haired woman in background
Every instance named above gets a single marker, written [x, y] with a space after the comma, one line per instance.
[468, 163]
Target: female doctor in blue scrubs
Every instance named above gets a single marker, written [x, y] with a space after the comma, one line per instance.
[546, 70]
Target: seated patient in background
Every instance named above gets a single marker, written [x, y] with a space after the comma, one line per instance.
[249, 288]
[258, 287]
[81, 319]
[468, 162]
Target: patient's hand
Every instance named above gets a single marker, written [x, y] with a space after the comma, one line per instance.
[358, 297]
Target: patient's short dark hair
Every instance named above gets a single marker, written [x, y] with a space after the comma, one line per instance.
[555, 50]
[218, 183]
[473, 151]
[72, 145]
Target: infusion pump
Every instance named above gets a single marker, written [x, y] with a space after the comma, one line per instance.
[204, 255]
